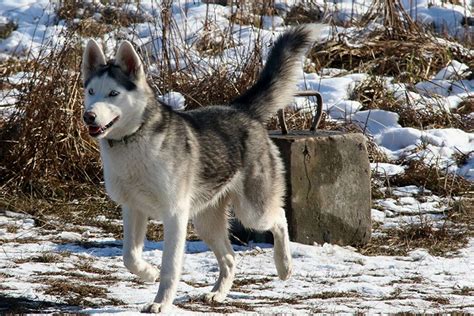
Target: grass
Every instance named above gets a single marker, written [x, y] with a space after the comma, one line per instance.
[46, 257]
[433, 178]
[305, 12]
[234, 306]
[372, 94]
[7, 29]
[439, 241]
[77, 294]
[23, 305]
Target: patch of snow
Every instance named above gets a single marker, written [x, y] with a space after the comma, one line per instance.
[386, 169]
[174, 99]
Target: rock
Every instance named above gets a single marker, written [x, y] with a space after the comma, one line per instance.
[328, 187]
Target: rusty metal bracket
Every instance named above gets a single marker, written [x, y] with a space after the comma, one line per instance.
[316, 117]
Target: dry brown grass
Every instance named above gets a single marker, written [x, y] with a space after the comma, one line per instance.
[7, 29]
[305, 12]
[112, 13]
[438, 181]
[372, 94]
[218, 86]
[401, 55]
[442, 241]
[45, 143]
[77, 294]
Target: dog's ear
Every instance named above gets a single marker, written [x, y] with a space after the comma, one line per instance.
[127, 59]
[92, 59]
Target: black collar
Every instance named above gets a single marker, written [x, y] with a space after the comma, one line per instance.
[126, 139]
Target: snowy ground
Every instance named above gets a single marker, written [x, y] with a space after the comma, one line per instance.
[62, 269]
[326, 278]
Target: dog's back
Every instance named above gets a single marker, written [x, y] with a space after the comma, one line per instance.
[233, 139]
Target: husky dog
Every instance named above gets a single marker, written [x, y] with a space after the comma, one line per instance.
[176, 166]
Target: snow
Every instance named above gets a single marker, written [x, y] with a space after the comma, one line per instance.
[386, 169]
[352, 281]
[372, 284]
[174, 99]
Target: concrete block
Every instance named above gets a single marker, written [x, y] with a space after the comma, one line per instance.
[328, 187]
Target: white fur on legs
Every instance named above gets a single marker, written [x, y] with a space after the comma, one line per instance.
[281, 252]
[134, 230]
[211, 225]
[175, 225]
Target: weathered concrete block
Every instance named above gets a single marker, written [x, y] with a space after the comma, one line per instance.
[328, 187]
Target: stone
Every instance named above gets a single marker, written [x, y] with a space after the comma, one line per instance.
[328, 187]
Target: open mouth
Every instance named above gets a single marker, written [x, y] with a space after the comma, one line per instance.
[95, 130]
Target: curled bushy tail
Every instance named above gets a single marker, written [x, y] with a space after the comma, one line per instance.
[276, 85]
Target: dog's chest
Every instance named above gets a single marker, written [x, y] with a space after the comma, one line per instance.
[132, 176]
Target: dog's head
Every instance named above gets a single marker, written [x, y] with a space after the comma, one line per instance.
[116, 92]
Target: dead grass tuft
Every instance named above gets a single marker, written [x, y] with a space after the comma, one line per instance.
[372, 94]
[438, 300]
[45, 143]
[465, 290]
[441, 241]
[440, 182]
[213, 41]
[87, 266]
[67, 207]
[304, 12]
[409, 58]
[75, 294]
[7, 28]
[111, 14]
[90, 27]
[220, 86]
[46, 257]
[239, 283]
[251, 12]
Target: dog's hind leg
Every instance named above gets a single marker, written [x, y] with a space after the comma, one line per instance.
[259, 204]
[134, 230]
[281, 251]
[211, 225]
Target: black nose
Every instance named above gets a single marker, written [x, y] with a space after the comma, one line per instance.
[89, 117]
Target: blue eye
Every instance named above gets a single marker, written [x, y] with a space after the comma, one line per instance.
[113, 93]
[91, 91]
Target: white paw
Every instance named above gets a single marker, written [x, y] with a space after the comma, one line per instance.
[214, 297]
[285, 272]
[155, 308]
[151, 274]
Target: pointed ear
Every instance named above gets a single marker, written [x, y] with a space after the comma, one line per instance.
[128, 60]
[92, 59]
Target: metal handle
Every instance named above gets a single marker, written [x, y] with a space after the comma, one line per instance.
[316, 117]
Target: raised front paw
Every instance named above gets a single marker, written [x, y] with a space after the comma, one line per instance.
[151, 274]
[142, 269]
[155, 308]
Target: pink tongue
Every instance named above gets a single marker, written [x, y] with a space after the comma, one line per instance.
[94, 129]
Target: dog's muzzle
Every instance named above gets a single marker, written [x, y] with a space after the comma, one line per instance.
[94, 129]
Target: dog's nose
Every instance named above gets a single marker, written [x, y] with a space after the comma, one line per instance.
[89, 117]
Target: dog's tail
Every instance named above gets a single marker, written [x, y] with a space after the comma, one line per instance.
[277, 82]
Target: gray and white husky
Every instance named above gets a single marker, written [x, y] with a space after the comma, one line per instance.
[176, 166]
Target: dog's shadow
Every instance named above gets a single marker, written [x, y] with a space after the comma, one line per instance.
[113, 248]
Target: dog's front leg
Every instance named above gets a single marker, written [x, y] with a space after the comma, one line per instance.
[134, 230]
[175, 226]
